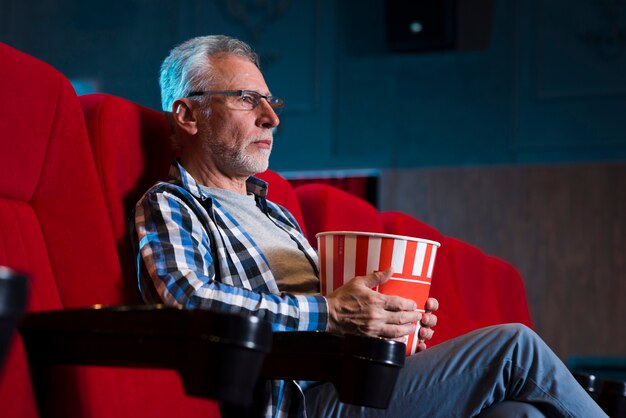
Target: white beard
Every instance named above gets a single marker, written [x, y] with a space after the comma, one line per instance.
[251, 164]
[236, 159]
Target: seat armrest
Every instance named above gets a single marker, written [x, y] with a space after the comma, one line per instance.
[217, 355]
[364, 370]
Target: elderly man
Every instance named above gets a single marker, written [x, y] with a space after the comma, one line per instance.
[209, 239]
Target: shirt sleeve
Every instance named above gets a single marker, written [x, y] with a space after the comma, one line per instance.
[176, 267]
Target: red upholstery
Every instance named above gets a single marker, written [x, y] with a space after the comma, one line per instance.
[326, 208]
[49, 188]
[362, 186]
[55, 227]
[477, 288]
[452, 314]
[493, 288]
[510, 291]
[131, 150]
[52, 219]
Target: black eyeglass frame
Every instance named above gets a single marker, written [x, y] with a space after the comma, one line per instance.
[276, 103]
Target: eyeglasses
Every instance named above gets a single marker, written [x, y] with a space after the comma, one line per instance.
[247, 99]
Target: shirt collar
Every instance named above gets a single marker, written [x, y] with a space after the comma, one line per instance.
[254, 185]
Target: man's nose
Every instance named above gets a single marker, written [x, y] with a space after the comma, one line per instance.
[267, 116]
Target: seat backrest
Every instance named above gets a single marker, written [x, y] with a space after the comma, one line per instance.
[478, 288]
[452, 313]
[491, 286]
[52, 219]
[327, 208]
[510, 291]
[132, 151]
[16, 187]
[56, 220]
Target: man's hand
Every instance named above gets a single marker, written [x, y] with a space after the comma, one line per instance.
[429, 320]
[355, 308]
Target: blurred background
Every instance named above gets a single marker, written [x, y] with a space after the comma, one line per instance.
[499, 122]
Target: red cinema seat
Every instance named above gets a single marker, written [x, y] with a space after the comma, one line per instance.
[478, 288]
[132, 151]
[22, 245]
[327, 208]
[52, 221]
[452, 315]
[510, 291]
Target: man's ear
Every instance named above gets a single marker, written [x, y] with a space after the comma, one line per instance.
[183, 116]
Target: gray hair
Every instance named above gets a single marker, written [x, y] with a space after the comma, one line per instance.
[188, 68]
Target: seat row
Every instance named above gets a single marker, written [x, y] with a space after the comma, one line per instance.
[474, 289]
[71, 169]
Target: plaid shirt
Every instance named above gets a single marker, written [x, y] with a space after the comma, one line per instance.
[192, 253]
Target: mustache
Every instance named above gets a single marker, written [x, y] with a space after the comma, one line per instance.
[261, 137]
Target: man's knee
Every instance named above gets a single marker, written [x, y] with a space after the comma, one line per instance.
[516, 331]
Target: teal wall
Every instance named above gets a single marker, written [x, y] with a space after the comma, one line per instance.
[550, 88]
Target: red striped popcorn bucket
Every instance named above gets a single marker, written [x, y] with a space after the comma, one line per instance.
[345, 254]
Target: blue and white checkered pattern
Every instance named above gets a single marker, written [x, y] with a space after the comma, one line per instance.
[192, 253]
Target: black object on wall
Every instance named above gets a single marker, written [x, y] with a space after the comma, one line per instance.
[13, 289]
[431, 25]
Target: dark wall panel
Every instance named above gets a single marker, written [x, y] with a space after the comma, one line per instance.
[547, 87]
[562, 226]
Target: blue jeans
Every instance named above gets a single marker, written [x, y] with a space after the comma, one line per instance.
[504, 370]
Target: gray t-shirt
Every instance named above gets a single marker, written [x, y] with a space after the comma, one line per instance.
[291, 268]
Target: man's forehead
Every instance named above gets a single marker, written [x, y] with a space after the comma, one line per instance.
[234, 72]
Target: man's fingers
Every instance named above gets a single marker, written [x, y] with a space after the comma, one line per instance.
[432, 305]
[426, 333]
[356, 308]
[403, 317]
[378, 277]
[395, 332]
[429, 320]
[397, 303]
